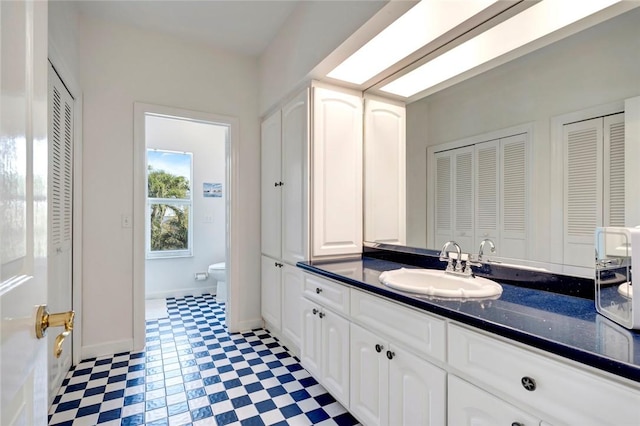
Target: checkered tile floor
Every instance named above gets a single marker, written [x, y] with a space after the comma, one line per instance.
[193, 372]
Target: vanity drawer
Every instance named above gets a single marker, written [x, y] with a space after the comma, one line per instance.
[565, 394]
[327, 293]
[421, 332]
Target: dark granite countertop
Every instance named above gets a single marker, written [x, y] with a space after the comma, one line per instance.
[564, 325]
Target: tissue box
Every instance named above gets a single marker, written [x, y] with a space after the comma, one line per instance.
[614, 269]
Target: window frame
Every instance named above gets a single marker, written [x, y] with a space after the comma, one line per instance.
[168, 254]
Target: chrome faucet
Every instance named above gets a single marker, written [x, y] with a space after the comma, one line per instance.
[492, 248]
[444, 256]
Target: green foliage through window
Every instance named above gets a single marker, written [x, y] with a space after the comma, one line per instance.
[169, 201]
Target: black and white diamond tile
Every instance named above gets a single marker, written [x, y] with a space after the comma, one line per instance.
[193, 372]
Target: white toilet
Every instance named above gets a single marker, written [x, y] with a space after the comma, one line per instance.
[218, 271]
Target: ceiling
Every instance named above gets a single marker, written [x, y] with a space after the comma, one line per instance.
[241, 26]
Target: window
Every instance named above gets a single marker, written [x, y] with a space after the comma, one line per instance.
[169, 203]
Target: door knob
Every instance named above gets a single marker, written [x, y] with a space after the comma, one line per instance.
[44, 320]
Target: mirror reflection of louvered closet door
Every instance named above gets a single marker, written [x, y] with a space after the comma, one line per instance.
[60, 220]
[594, 177]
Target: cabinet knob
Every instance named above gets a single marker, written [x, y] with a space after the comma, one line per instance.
[528, 383]
[318, 290]
[390, 354]
[276, 184]
[321, 314]
[315, 311]
[379, 348]
[279, 265]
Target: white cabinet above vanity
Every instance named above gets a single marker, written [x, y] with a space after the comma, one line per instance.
[308, 215]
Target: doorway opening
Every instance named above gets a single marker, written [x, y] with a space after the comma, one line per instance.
[183, 204]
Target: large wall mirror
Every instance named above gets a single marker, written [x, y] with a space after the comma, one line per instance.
[591, 75]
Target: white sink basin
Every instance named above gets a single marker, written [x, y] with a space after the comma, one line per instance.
[440, 284]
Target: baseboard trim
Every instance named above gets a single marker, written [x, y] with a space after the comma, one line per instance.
[105, 349]
[195, 291]
[248, 325]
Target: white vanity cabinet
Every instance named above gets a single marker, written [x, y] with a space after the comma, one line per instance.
[391, 382]
[291, 232]
[325, 335]
[559, 393]
[469, 405]
[391, 386]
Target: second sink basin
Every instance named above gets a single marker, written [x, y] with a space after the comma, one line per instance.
[440, 284]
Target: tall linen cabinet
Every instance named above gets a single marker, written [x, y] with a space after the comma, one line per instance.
[311, 158]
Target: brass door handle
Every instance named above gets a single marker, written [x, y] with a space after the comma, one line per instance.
[44, 320]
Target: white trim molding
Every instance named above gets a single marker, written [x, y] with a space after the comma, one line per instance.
[139, 203]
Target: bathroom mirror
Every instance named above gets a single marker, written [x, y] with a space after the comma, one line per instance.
[592, 72]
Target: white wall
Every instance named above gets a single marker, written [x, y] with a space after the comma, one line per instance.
[310, 34]
[63, 33]
[174, 277]
[592, 68]
[120, 65]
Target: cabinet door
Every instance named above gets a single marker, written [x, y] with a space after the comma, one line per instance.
[291, 303]
[271, 199]
[295, 139]
[335, 355]
[416, 391]
[470, 406]
[270, 294]
[337, 173]
[369, 377]
[384, 172]
[311, 348]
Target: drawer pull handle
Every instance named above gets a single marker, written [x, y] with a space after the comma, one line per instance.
[390, 354]
[528, 383]
[318, 290]
[315, 311]
[379, 348]
[516, 424]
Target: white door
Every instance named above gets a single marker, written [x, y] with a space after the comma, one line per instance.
[271, 291]
[23, 206]
[311, 348]
[471, 406]
[417, 390]
[337, 173]
[335, 355]
[291, 303]
[295, 178]
[270, 154]
[369, 377]
[60, 218]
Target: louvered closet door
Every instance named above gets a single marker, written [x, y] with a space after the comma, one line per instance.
[514, 192]
[443, 202]
[463, 198]
[60, 217]
[487, 193]
[614, 170]
[583, 190]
